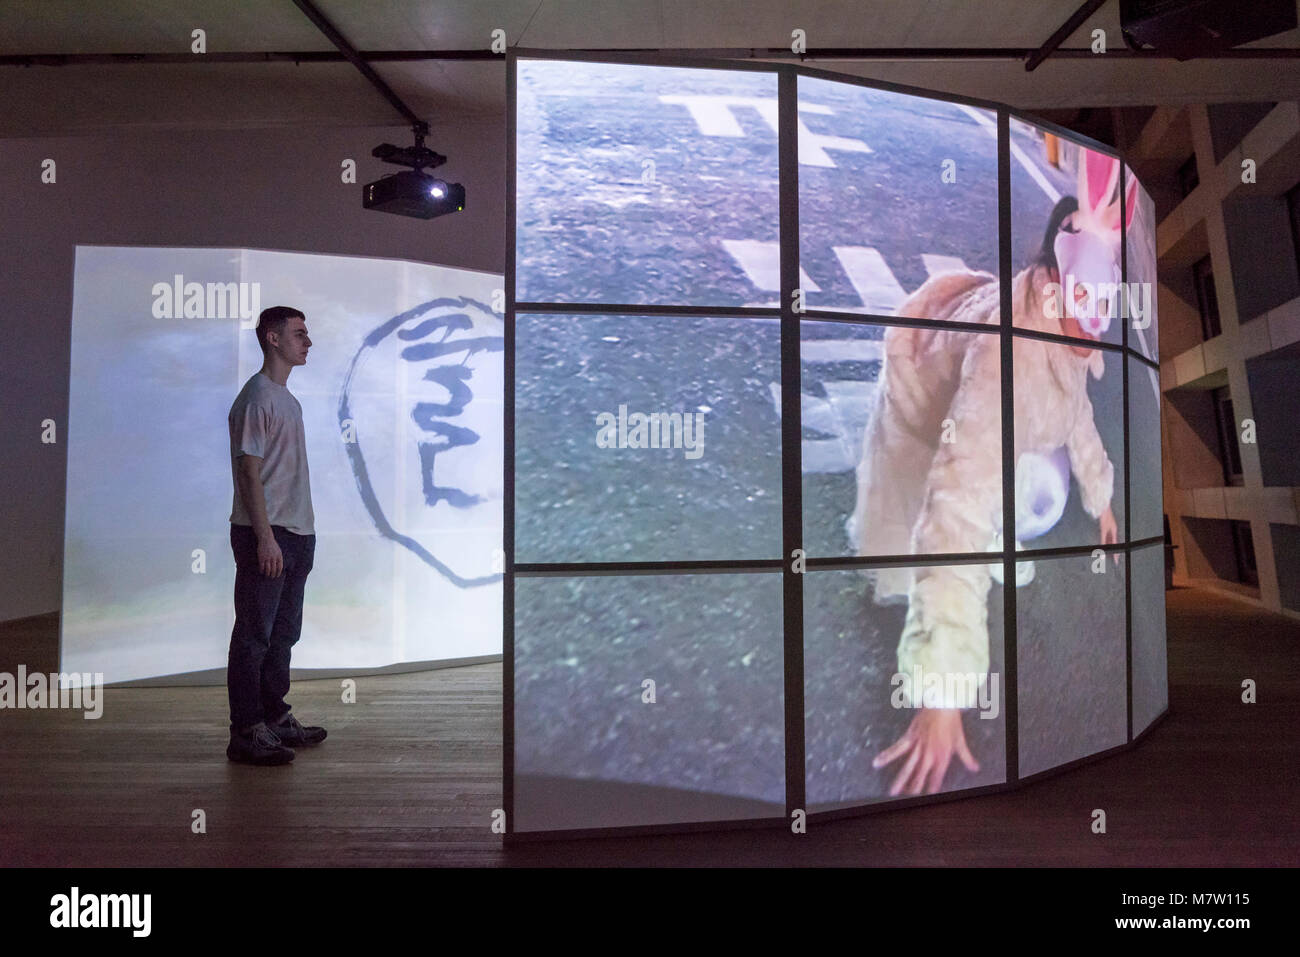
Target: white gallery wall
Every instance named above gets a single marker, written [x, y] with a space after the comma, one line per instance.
[272, 189]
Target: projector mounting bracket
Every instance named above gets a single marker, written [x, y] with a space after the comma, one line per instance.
[417, 157]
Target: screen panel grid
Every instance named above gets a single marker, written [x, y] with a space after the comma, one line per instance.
[897, 254]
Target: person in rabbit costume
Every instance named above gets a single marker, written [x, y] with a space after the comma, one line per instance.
[930, 477]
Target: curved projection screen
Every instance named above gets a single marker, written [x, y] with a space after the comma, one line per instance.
[651, 633]
[402, 406]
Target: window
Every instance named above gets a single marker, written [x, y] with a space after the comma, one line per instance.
[1293, 207]
[1188, 178]
[1207, 300]
[1229, 451]
[1243, 547]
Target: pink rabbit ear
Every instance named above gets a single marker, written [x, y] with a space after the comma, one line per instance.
[1098, 174]
[1130, 200]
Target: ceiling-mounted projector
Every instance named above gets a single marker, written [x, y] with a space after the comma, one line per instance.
[1187, 29]
[413, 192]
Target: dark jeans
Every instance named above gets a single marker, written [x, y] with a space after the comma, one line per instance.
[268, 621]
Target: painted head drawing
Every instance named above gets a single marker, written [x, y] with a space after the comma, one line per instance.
[420, 412]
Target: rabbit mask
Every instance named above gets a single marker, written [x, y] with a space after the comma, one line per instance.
[1087, 246]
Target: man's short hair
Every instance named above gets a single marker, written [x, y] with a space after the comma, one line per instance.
[273, 320]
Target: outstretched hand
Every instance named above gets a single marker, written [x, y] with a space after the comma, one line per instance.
[1109, 530]
[932, 737]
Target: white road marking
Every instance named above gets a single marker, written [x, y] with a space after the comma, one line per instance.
[839, 350]
[761, 262]
[871, 277]
[813, 146]
[852, 401]
[936, 264]
[1021, 157]
[713, 116]
[842, 415]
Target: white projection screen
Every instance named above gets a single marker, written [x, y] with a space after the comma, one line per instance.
[402, 404]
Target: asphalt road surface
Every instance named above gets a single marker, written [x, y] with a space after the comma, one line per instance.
[650, 186]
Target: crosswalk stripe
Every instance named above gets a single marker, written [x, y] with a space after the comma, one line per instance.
[713, 116]
[761, 262]
[935, 264]
[842, 415]
[844, 412]
[980, 117]
[871, 277]
[839, 350]
[813, 146]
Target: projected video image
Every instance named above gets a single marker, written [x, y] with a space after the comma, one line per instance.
[1150, 668]
[647, 438]
[894, 190]
[644, 184]
[864, 692]
[1145, 477]
[1069, 444]
[402, 406]
[1140, 237]
[902, 440]
[1071, 654]
[1066, 233]
[648, 699]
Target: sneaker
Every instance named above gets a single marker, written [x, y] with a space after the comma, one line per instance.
[258, 746]
[293, 734]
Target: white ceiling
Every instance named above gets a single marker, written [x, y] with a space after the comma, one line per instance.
[47, 100]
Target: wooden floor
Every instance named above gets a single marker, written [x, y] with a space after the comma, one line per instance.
[411, 773]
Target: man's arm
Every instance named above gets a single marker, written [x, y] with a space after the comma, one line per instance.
[249, 473]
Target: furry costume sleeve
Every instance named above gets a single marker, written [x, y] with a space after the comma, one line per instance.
[1092, 468]
[946, 630]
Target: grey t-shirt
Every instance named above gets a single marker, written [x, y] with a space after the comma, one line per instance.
[266, 421]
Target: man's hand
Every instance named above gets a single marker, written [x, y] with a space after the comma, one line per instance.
[269, 557]
[1109, 530]
[932, 737]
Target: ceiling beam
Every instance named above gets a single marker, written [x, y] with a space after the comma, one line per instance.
[1062, 34]
[350, 54]
[1019, 54]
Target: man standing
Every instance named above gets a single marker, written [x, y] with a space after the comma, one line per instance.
[272, 533]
